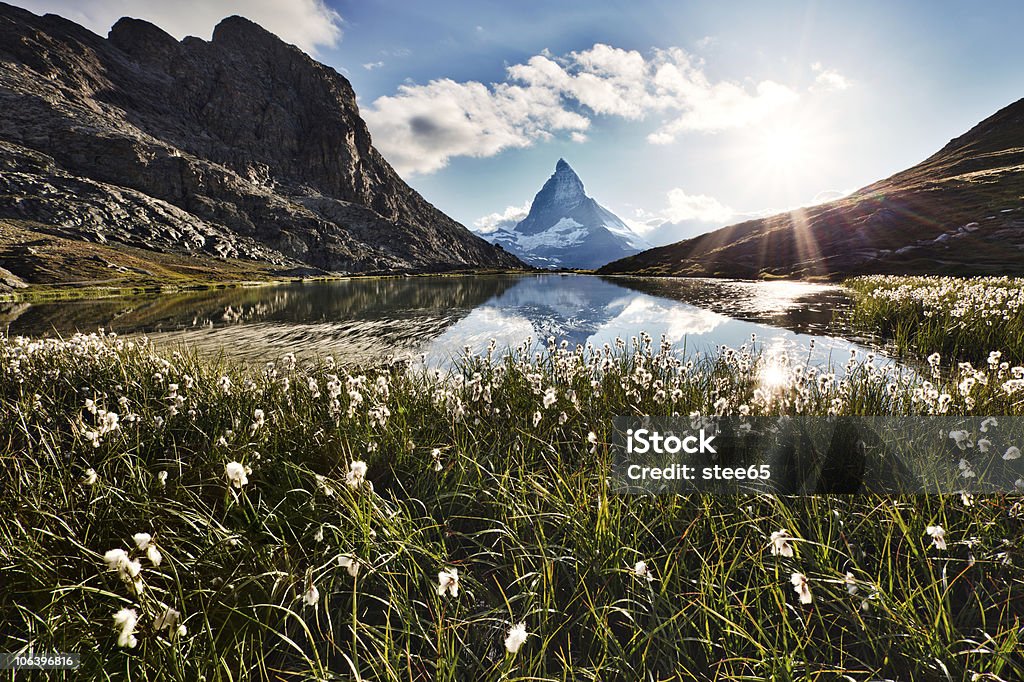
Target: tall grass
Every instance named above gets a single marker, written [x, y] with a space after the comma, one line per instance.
[491, 470]
[960, 318]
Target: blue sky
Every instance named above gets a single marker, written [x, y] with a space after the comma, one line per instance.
[678, 116]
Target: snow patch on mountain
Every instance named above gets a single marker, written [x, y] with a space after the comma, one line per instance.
[567, 228]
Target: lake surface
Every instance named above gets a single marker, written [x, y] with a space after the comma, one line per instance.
[372, 319]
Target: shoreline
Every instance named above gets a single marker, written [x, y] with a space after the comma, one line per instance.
[57, 293]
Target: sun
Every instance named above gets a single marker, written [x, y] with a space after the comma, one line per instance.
[784, 148]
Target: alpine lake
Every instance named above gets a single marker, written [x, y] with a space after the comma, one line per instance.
[433, 319]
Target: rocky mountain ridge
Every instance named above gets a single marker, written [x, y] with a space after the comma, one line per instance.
[241, 147]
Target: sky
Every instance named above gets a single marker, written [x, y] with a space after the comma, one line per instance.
[678, 116]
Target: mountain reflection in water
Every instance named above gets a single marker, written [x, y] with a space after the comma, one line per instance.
[371, 319]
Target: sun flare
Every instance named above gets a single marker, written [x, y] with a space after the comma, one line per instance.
[783, 148]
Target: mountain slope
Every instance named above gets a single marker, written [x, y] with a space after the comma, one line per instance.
[566, 228]
[241, 148]
[960, 211]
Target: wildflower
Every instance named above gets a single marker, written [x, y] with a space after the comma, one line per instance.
[168, 619]
[799, 581]
[259, 419]
[128, 570]
[312, 596]
[851, 583]
[237, 474]
[965, 468]
[641, 570]
[550, 397]
[780, 543]
[984, 445]
[536, 419]
[125, 619]
[938, 535]
[516, 638]
[961, 438]
[1012, 452]
[448, 581]
[987, 422]
[225, 385]
[436, 455]
[91, 477]
[162, 478]
[349, 563]
[319, 534]
[356, 474]
[934, 359]
[592, 439]
[144, 541]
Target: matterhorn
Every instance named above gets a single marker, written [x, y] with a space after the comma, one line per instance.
[567, 229]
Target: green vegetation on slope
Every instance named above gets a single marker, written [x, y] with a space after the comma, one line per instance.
[249, 483]
[55, 267]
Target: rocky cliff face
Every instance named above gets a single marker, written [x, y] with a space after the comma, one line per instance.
[241, 147]
[958, 212]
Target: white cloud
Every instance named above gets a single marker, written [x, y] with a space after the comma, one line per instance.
[308, 24]
[506, 219]
[370, 66]
[422, 126]
[706, 42]
[829, 195]
[828, 79]
[701, 207]
[577, 136]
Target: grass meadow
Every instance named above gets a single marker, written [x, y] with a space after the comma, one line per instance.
[963, 318]
[175, 517]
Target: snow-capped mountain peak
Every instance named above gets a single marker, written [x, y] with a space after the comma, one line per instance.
[566, 228]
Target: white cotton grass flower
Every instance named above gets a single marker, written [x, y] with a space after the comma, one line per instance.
[987, 422]
[356, 475]
[436, 455]
[161, 478]
[851, 583]
[258, 420]
[448, 581]
[550, 397]
[1012, 453]
[144, 541]
[312, 596]
[642, 570]
[938, 535]
[125, 621]
[984, 445]
[780, 543]
[90, 478]
[349, 563]
[237, 474]
[170, 620]
[965, 468]
[799, 582]
[128, 570]
[516, 638]
[961, 438]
